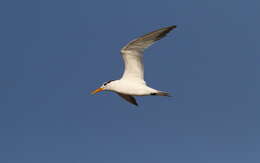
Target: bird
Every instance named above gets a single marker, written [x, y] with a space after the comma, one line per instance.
[132, 82]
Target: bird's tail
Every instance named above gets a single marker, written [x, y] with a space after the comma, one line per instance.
[161, 93]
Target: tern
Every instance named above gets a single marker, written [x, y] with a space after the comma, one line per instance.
[132, 81]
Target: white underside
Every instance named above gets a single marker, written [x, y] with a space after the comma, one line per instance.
[133, 88]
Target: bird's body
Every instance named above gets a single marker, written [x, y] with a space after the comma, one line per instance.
[131, 87]
[132, 82]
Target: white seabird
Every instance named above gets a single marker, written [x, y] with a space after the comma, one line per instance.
[132, 82]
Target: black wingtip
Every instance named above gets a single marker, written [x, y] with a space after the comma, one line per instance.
[135, 103]
[170, 28]
[173, 26]
[165, 31]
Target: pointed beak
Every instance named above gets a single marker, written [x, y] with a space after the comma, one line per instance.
[97, 90]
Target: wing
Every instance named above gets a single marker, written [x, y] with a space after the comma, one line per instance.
[132, 53]
[128, 98]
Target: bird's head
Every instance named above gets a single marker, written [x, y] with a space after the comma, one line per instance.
[104, 86]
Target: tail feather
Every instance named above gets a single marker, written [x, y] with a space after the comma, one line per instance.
[163, 94]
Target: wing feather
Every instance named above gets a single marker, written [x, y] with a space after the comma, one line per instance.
[132, 53]
[128, 98]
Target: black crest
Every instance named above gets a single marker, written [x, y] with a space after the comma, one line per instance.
[107, 82]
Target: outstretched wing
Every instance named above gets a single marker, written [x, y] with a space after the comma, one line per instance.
[128, 98]
[132, 53]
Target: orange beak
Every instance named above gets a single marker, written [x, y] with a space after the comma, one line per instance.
[97, 90]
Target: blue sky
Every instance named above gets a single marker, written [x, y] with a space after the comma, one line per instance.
[53, 53]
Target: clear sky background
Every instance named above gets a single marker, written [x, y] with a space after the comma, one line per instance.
[53, 53]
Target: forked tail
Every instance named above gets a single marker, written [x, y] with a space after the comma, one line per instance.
[160, 93]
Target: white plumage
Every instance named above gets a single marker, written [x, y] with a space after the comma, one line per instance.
[132, 82]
